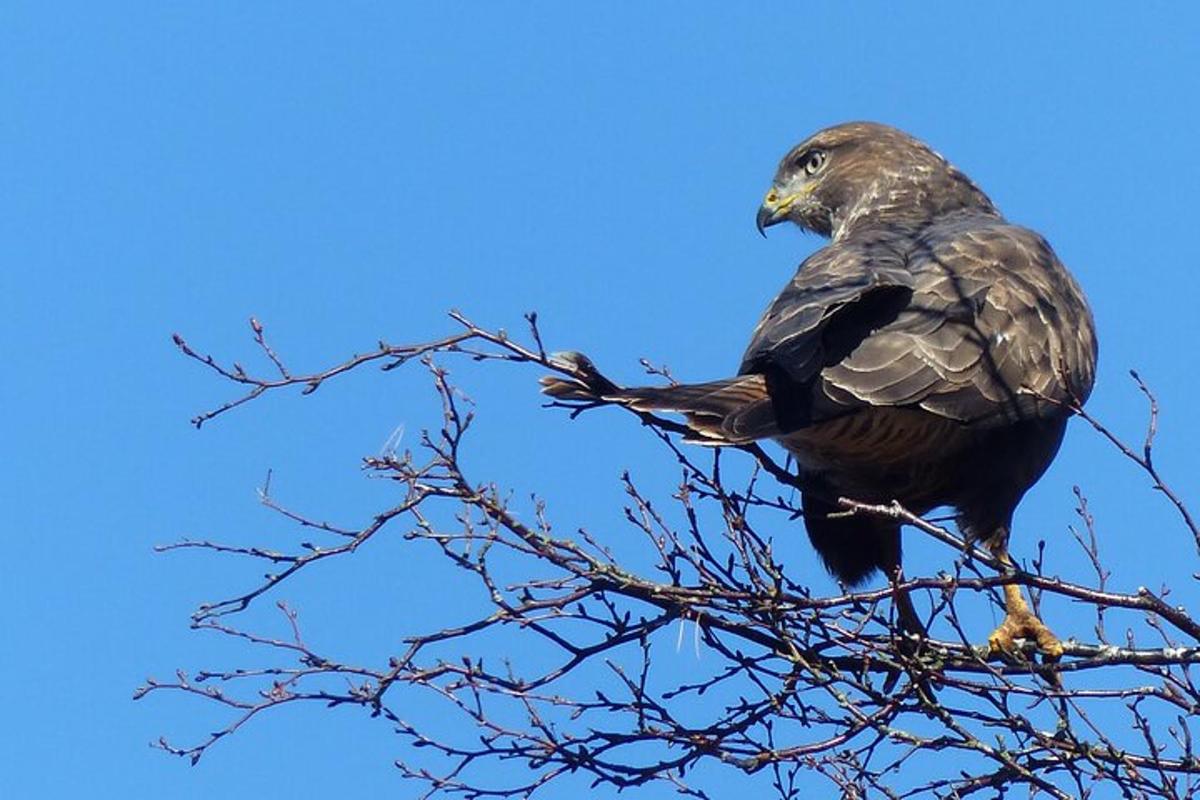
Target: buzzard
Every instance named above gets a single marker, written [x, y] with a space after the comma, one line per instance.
[929, 354]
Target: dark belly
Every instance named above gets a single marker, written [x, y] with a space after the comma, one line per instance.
[924, 460]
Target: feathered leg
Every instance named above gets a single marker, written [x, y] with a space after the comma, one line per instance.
[853, 547]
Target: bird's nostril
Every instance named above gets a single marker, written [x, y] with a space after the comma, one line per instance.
[771, 196]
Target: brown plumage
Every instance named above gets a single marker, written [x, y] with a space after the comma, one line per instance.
[927, 354]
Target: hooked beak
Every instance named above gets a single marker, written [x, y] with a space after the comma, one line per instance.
[773, 210]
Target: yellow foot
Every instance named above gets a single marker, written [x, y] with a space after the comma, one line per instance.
[1023, 624]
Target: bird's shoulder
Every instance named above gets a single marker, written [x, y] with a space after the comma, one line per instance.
[970, 318]
[996, 329]
[982, 248]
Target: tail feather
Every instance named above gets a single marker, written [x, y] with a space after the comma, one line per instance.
[729, 411]
[733, 410]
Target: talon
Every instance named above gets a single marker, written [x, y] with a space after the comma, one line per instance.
[1023, 624]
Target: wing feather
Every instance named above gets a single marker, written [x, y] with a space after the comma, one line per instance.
[991, 328]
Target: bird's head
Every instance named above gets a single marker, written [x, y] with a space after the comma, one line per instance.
[864, 172]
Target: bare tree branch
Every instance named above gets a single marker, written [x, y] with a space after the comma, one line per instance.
[786, 686]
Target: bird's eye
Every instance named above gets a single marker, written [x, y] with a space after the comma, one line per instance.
[812, 161]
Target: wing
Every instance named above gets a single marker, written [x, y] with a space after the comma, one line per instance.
[837, 297]
[992, 328]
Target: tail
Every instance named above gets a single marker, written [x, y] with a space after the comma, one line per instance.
[730, 411]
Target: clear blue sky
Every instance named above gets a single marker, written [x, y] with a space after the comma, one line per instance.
[348, 172]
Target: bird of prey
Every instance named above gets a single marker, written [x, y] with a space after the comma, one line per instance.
[929, 354]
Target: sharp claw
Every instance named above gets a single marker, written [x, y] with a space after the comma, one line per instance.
[1025, 626]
